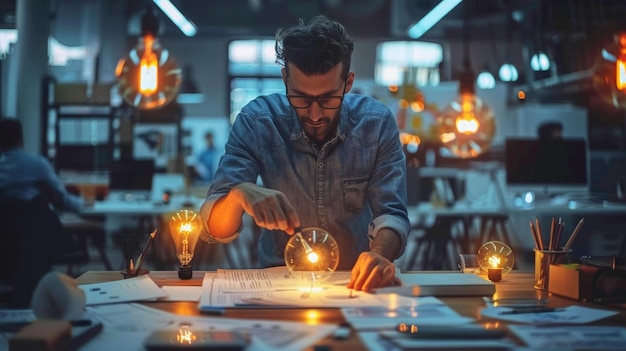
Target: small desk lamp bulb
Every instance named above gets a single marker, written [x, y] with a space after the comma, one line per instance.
[314, 251]
[185, 226]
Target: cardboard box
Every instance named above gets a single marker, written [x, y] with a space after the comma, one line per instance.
[572, 280]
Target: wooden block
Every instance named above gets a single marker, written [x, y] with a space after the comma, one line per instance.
[42, 335]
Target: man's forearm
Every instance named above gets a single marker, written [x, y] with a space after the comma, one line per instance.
[225, 217]
[387, 244]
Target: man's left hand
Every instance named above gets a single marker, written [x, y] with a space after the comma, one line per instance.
[371, 271]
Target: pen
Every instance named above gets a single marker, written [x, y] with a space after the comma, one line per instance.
[141, 255]
[530, 310]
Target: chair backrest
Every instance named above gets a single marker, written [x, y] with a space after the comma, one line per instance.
[30, 241]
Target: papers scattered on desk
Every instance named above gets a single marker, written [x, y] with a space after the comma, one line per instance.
[275, 286]
[441, 284]
[571, 337]
[567, 315]
[426, 310]
[139, 288]
[126, 326]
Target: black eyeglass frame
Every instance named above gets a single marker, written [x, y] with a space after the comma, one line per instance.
[317, 99]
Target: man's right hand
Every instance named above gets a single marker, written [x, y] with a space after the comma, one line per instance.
[269, 208]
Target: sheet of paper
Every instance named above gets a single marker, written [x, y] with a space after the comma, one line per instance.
[422, 310]
[126, 326]
[374, 342]
[181, 293]
[270, 279]
[218, 292]
[571, 337]
[567, 315]
[139, 288]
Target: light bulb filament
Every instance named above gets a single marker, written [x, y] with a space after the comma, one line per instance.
[494, 261]
[313, 257]
[148, 69]
[620, 70]
[185, 336]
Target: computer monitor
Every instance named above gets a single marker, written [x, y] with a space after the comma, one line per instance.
[547, 167]
[131, 175]
[82, 158]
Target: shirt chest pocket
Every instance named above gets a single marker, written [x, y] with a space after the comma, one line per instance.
[354, 194]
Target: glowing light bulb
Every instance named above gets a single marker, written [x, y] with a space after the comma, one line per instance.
[312, 251]
[185, 227]
[609, 78]
[496, 258]
[148, 77]
[467, 126]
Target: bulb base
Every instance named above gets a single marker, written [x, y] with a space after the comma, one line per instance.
[185, 272]
[494, 274]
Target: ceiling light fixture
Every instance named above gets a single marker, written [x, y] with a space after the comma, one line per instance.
[435, 15]
[467, 126]
[148, 77]
[186, 26]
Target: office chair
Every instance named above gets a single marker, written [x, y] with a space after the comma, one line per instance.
[32, 240]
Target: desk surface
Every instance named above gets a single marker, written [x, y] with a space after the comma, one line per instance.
[514, 285]
[119, 204]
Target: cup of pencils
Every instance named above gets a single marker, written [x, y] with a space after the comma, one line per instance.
[552, 252]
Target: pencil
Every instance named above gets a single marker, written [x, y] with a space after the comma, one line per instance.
[538, 227]
[573, 236]
[559, 230]
[552, 228]
[536, 238]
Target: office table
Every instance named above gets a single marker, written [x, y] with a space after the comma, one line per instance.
[464, 226]
[514, 285]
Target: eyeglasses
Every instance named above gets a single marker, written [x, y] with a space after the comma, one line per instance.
[326, 102]
[329, 102]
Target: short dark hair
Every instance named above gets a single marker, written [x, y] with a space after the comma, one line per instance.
[10, 133]
[316, 47]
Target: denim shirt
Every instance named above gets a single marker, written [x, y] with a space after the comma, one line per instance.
[352, 186]
[23, 176]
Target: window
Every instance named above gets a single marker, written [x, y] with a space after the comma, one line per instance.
[399, 62]
[253, 71]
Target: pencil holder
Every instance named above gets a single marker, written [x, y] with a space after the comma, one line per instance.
[543, 260]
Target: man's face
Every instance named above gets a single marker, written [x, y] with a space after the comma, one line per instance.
[319, 124]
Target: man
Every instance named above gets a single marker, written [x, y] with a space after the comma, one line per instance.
[24, 176]
[325, 159]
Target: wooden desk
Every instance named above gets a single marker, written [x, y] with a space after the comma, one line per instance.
[514, 285]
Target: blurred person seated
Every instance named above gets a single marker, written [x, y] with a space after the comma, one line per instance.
[33, 238]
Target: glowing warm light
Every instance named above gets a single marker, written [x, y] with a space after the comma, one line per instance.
[313, 257]
[417, 106]
[185, 336]
[393, 89]
[609, 76]
[521, 94]
[403, 103]
[494, 262]
[148, 68]
[312, 317]
[620, 70]
[148, 77]
[466, 127]
[312, 250]
[495, 255]
[185, 227]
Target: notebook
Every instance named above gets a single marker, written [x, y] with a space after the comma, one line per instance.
[441, 284]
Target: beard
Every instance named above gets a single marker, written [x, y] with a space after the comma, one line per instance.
[320, 131]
